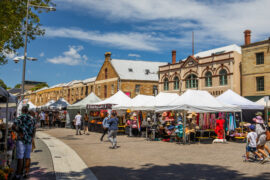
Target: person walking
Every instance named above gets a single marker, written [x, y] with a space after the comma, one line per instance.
[50, 119]
[42, 119]
[78, 122]
[85, 124]
[251, 146]
[24, 125]
[113, 127]
[105, 125]
[261, 133]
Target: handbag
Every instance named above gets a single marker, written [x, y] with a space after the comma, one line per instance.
[267, 135]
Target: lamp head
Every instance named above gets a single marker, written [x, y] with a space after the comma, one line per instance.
[16, 60]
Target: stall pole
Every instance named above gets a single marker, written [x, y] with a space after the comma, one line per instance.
[267, 113]
[184, 128]
[6, 133]
[242, 122]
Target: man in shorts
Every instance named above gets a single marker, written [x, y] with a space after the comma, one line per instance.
[24, 125]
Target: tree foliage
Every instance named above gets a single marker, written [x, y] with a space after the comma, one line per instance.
[17, 86]
[2, 84]
[39, 86]
[13, 19]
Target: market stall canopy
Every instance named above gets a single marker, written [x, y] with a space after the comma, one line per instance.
[59, 104]
[161, 100]
[137, 103]
[198, 101]
[31, 106]
[118, 98]
[262, 102]
[90, 99]
[12, 100]
[48, 103]
[230, 97]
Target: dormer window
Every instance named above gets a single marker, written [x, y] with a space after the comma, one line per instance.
[130, 70]
[147, 71]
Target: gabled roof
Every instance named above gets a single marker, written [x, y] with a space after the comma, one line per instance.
[221, 50]
[92, 79]
[137, 70]
[190, 58]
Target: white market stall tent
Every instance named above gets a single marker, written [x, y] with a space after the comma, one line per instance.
[48, 104]
[90, 99]
[231, 97]
[59, 104]
[262, 102]
[137, 103]
[118, 98]
[198, 101]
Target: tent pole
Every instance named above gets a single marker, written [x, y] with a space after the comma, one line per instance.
[242, 121]
[6, 133]
[184, 128]
[267, 118]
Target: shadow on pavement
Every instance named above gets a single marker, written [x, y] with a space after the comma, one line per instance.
[172, 171]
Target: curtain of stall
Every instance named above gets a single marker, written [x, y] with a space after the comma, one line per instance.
[6, 133]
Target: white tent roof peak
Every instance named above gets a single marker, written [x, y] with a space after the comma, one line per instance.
[263, 102]
[231, 97]
[90, 99]
[198, 101]
[117, 98]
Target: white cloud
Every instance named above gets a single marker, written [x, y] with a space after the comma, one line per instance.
[134, 55]
[41, 54]
[125, 40]
[9, 55]
[224, 20]
[70, 57]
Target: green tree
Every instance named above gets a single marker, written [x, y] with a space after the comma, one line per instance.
[2, 84]
[39, 86]
[17, 86]
[12, 18]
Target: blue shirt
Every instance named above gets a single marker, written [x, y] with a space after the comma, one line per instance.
[105, 122]
[113, 122]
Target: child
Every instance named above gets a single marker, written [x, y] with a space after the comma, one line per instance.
[251, 147]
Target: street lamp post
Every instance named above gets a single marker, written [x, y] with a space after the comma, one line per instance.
[25, 41]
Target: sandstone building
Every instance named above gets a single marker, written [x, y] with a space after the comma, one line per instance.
[214, 70]
[255, 68]
[131, 76]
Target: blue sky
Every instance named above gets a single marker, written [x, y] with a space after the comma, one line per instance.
[79, 32]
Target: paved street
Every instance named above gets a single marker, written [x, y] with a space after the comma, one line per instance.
[140, 159]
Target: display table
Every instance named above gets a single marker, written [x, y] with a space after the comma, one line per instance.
[205, 134]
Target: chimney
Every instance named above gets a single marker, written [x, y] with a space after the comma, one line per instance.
[173, 56]
[247, 36]
[108, 56]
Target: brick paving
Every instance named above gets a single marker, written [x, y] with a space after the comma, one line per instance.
[140, 159]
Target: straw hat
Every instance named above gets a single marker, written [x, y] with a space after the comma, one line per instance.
[189, 116]
[258, 113]
[258, 120]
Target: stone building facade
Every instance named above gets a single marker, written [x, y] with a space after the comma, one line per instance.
[215, 71]
[131, 76]
[255, 68]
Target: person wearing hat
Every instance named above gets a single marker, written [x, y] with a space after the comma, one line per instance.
[251, 146]
[261, 133]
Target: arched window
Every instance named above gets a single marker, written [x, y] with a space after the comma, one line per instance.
[223, 77]
[166, 84]
[175, 83]
[191, 81]
[208, 79]
[106, 73]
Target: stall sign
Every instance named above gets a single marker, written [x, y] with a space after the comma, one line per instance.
[99, 106]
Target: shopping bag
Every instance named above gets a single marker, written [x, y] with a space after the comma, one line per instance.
[267, 135]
